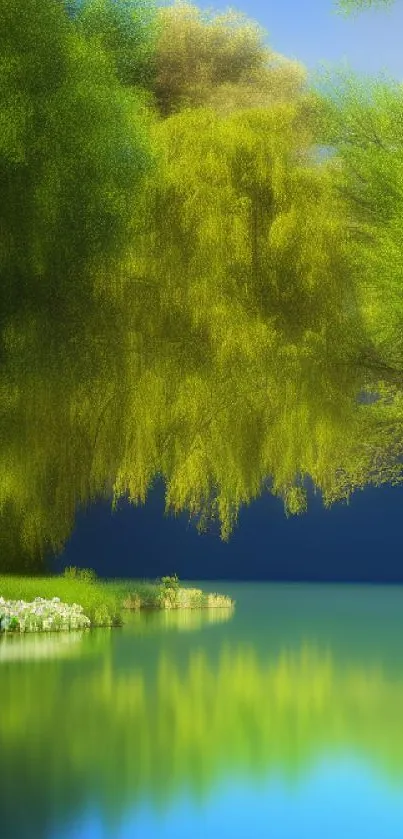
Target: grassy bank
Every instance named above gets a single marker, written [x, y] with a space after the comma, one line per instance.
[165, 594]
[103, 603]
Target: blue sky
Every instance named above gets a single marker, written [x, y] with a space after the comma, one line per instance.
[310, 31]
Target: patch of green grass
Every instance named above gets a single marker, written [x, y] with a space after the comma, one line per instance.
[104, 601]
[100, 604]
[165, 594]
[142, 593]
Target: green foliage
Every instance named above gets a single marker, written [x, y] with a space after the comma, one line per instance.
[137, 595]
[249, 238]
[361, 118]
[103, 602]
[170, 591]
[219, 61]
[88, 575]
[170, 582]
[73, 152]
[185, 291]
[100, 604]
[194, 597]
[14, 624]
[127, 31]
[71, 572]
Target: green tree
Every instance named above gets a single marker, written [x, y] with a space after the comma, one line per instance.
[361, 119]
[183, 291]
[219, 61]
[73, 151]
[126, 30]
[245, 235]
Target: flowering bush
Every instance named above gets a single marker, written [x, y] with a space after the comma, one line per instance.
[41, 615]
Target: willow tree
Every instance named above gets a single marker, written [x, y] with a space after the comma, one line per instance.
[243, 292]
[243, 235]
[362, 120]
[127, 31]
[179, 292]
[73, 152]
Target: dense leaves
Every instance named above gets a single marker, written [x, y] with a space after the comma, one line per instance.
[74, 150]
[126, 30]
[264, 274]
[186, 289]
[362, 120]
[219, 61]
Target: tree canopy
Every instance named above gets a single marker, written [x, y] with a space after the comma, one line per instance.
[73, 152]
[219, 61]
[242, 238]
[186, 290]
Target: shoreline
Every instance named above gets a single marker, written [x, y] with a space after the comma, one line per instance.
[80, 601]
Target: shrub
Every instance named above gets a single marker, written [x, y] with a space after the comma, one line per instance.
[132, 601]
[70, 572]
[87, 575]
[170, 582]
[14, 623]
[169, 591]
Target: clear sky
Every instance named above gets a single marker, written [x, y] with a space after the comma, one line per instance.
[311, 31]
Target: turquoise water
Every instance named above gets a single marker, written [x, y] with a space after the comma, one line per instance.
[281, 719]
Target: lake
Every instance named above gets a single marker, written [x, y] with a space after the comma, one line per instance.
[282, 719]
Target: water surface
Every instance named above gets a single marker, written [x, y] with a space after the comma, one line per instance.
[283, 719]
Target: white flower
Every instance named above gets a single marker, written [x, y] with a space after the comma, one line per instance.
[43, 614]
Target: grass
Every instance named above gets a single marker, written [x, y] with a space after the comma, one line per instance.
[136, 594]
[104, 602]
[101, 606]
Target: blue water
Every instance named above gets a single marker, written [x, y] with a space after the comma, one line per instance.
[340, 798]
[282, 719]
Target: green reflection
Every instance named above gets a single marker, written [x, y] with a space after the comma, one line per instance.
[32, 648]
[179, 620]
[52, 645]
[114, 732]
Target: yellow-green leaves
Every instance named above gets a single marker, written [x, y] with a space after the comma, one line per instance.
[71, 163]
[218, 61]
[185, 290]
[249, 240]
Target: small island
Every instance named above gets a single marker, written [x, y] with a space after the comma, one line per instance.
[79, 600]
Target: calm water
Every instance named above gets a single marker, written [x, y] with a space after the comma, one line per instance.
[283, 720]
